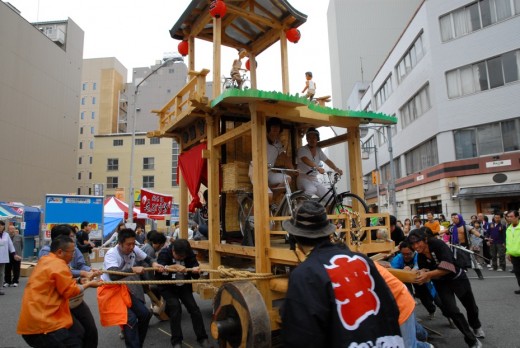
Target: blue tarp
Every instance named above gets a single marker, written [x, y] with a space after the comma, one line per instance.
[110, 225]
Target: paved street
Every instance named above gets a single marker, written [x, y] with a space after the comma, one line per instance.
[499, 308]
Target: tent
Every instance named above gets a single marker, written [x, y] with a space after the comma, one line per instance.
[117, 208]
[109, 225]
[7, 213]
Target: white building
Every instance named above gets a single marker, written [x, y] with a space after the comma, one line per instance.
[452, 80]
[39, 101]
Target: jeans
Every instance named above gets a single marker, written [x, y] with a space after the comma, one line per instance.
[173, 295]
[498, 256]
[61, 338]
[409, 333]
[447, 290]
[137, 326]
[515, 260]
[84, 318]
[2, 274]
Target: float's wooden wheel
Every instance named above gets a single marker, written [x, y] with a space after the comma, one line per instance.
[240, 317]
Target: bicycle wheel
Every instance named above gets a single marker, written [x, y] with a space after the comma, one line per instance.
[297, 198]
[344, 205]
[227, 84]
[246, 84]
[244, 220]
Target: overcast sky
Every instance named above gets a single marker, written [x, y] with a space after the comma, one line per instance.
[136, 33]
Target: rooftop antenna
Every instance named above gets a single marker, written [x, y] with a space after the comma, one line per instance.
[361, 63]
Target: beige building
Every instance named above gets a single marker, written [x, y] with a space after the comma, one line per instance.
[39, 104]
[102, 110]
[155, 164]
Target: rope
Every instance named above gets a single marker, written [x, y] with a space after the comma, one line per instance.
[223, 271]
[191, 281]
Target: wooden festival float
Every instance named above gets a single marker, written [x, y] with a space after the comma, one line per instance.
[224, 134]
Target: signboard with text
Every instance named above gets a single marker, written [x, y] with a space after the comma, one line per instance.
[153, 203]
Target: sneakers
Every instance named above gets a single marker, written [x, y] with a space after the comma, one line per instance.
[500, 270]
[177, 345]
[6, 285]
[15, 285]
[477, 345]
[479, 333]
[517, 292]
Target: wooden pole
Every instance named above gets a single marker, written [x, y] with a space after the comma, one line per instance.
[252, 70]
[213, 195]
[285, 62]
[354, 158]
[217, 41]
[191, 57]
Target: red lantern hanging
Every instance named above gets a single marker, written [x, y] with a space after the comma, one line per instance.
[183, 48]
[293, 35]
[217, 8]
[248, 64]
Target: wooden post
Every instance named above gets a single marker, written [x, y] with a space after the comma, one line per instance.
[191, 57]
[183, 207]
[217, 41]
[285, 62]
[354, 157]
[252, 70]
[261, 201]
[213, 195]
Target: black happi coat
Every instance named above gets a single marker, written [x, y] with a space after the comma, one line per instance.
[359, 308]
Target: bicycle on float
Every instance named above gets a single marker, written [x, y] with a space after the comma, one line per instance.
[341, 203]
[291, 200]
[228, 82]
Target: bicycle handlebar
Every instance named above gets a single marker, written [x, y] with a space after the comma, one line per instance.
[283, 169]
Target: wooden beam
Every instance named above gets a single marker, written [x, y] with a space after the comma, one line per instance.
[285, 62]
[355, 167]
[333, 141]
[191, 53]
[217, 42]
[200, 23]
[232, 134]
[253, 17]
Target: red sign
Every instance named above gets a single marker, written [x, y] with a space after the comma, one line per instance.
[153, 203]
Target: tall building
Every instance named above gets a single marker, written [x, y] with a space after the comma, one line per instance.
[39, 104]
[102, 111]
[155, 160]
[452, 80]
[361, 33]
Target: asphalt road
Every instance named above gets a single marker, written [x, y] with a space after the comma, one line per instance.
[499, 314]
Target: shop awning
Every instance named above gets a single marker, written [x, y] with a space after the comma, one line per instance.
[7, 212]
[489, 191]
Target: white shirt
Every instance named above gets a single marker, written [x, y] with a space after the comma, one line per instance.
[273, 150]
[304, 151]
[115, 258]
[6, 247]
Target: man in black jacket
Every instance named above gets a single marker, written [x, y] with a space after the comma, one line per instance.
[178, 257]
[336, 298]
[84, 245]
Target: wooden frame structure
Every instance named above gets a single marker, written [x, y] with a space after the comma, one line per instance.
[190, 117]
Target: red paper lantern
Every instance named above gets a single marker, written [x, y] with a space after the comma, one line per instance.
[183, 48]
[217, 8]
[293, 35]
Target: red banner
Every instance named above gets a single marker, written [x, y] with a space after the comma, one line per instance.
[153, 203]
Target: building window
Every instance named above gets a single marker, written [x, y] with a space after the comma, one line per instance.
[148, 181]
[80, 145]
[148, 163]
[117, 142]
[90, 190]
[423, 156]
[91, 130]
[90, 175]
[384, 92]
[93, 100]
[490, 73]
[175, 162]
[410, 59]
[112, 182]
[475, 16]
[83, 115]
[90, 159]
[84, 87]
[139, 141]
[93, 115]
[80, 130]
[79, 176]
[94, 86]
[112, 164]
[386, 175]
[91, 144]
[416, 106]
[83, 101]
[171, 71]
[155, 141]
[492, 138]
[79, 191]
[79, 160]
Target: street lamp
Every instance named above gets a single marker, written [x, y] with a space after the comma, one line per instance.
[132, 145]
[391, 182]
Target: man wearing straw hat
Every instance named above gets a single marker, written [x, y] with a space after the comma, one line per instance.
[336, 298]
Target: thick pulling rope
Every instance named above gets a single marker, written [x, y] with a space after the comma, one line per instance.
[228, 274]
